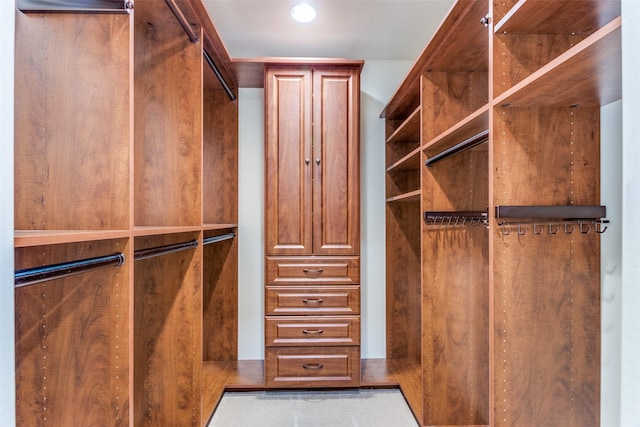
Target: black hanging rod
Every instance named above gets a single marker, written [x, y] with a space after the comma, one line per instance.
[555, 212]
[462, 146]
[216, 71]
[182, 20]
[31, 276]
[161, 250]
[216, 239]
[83, 6]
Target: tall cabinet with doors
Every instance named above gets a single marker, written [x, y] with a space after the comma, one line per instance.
[494, 216]
[123, 178]
[312, 293]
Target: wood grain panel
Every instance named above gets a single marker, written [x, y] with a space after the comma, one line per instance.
[336, 164]
[458, 183]
[168, 120]
[558, 17]
[167, 335]
[398, 182]
[288, 200]
[547, 156]
[220, 300]
[313, 270]
[72, 340]
[326, 300]
[72, 128]
[456, 326]
[403, 278]
[312, 366]
[220, 158]
[547, 329]
[312, 330]
[449, 97]
[517, 56]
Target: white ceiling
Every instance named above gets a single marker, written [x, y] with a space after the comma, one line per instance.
[353, 29]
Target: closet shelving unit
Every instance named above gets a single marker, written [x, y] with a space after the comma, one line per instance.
[498, 324]
[125, 143]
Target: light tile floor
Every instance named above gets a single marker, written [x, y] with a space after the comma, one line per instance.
[348, 408]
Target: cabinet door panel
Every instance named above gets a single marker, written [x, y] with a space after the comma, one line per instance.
[288, 162]
[336, 165]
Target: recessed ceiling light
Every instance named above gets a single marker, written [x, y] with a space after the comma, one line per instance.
[303, 12]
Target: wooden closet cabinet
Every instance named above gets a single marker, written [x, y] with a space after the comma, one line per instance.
[125, 157]
[494, 217]
[312, 294]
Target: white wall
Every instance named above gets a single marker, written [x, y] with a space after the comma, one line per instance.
[630, 334]
[611, 262]
[251, 224]
[7, 363]
[378, 82]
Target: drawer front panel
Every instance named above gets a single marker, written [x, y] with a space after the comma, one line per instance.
[313, 271]
[337, 300]
[306, 331]
[312, 367]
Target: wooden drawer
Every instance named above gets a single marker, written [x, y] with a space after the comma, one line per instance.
[305, 331]
[313, 270]
[338, 300]
[312, 367]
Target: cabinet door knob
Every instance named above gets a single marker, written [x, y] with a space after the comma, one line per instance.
[318, 161]
[307, 161]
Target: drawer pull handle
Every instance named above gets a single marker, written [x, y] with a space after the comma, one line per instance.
[313, 271]
[312, 331]
[313, 366]
[312, 300]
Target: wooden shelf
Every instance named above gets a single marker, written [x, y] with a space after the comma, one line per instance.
[412, 196]
[460, 44]
[466, 128]
[408, 131]
[208, 227]
[587, 75]
[156, 231]
[410, 162]
[558, 16]
[409, 377]
[27, 238]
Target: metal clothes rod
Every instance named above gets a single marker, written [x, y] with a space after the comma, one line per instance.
[462, 146]
[161, 250]
[182, 20]
[564, 212]
[31, 276]
[83, 6]
[216, 239]
[216, 71]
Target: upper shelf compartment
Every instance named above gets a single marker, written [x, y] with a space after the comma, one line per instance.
[533, 34]
[558, 16]
[589, 74]
[460, 44]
